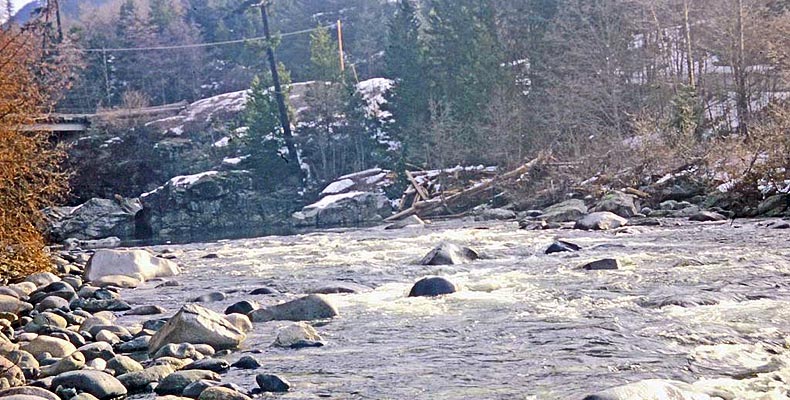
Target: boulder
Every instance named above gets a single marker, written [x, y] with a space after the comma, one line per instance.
[242, 307]
[95, 219]
[129, 263]
[11, 373]
[774, 206]
[120, 365]
[100, 384]
[707, 216]
[561, 246]
[449, 254]
[139, 380]
[194, 389]
[195, 324]
[72, 362]
[297, 335]
[603, 264]
[210, 297]
[655, 389]
[240, 321]
[42, 279]
[345, 209]
[147, 310]
[209, 364]
[176, 382]
[28, 391]
[272, 383]
[619, 203]
[221, 393]
[495, 214]
[308, 308]
[600, 221]
[569, 210]
[246, 362]
[10, 304]
[46, 344]
[433, 286]
[182, 350]
[119, 281]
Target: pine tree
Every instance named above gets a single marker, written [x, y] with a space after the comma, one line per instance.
[161, 14]
[404, 63]
[324, 57]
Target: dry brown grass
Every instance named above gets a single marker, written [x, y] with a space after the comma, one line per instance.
[29, 175]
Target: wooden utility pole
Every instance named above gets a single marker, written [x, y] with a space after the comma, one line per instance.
[340, 46]
[740, 70]
[689, 57]
[278, 91]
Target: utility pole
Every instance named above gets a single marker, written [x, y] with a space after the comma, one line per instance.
[689, 57]
[340, 46]
[278, 92]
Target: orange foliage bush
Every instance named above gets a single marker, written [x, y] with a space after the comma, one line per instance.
[29, 175]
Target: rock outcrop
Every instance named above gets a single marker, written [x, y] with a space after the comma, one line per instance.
[345, 209]
[95, 219]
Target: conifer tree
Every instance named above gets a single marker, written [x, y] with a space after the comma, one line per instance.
[324, 57]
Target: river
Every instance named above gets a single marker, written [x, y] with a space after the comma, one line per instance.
[701, 303]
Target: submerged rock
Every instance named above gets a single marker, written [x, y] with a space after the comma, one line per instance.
[308, 308]
[603, 264]
[449, 254]
[433, 286]
[195, 324]
[246, 362]
[560, 246]
[272, 383]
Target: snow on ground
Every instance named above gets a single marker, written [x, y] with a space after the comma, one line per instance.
[331, 199]
[234, 160]
[337, 187]
[373, 91]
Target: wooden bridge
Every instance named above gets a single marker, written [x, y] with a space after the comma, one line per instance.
[77, 123]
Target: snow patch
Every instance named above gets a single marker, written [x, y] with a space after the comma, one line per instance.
[222, 142]
[187, 180]
[338, 187]
[332, 199]
[234, 160]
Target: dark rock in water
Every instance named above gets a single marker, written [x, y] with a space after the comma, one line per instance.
[303, 344]
[340, 287]
[209, 364]
[210, 297]
[246, 362]
[562, 246]
[100, 384]
[707, 216]
[619, 203]
[243, 307]
[272, 383]
[176, 382]
[308, 308]
[449, 254]
[264, 290]
[604, 264]
[644, 222]
[210, 256]
[778, 225]
[146, 310]
[538, 225]
[168, 284]
[603, 220]
[657, 389]
[433, 286]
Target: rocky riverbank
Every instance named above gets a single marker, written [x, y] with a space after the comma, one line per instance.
[554, 313]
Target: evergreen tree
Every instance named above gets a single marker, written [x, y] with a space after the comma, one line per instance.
[161, 14]
[324, 58]
[404, 63]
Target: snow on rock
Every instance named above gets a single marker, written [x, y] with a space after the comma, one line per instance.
[234, 160]
[338, 187]
[188, 180]
[222, 142]
[331, 199]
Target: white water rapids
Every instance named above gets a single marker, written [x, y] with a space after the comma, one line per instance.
[707, 304]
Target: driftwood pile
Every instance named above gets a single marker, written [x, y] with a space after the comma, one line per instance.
[432, 192]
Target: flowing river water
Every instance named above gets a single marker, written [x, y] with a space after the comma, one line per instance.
[708, 304]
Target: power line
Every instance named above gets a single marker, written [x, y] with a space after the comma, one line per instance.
[189, 46]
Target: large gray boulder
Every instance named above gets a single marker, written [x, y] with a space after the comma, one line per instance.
[569, 210]
[308, 308]
[619, 203]
[131, 263]
[655, 389]
[774, 206]
[197, 325]
[345, 209]
[10, 304]
[34, 392]
[100, 384]
[95, 219]
[600, 221]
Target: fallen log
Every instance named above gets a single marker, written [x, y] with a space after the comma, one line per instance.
[431, 204]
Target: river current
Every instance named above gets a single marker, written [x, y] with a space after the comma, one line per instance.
[706, 304]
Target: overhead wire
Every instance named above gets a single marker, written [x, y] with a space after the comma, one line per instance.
[192, 45]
